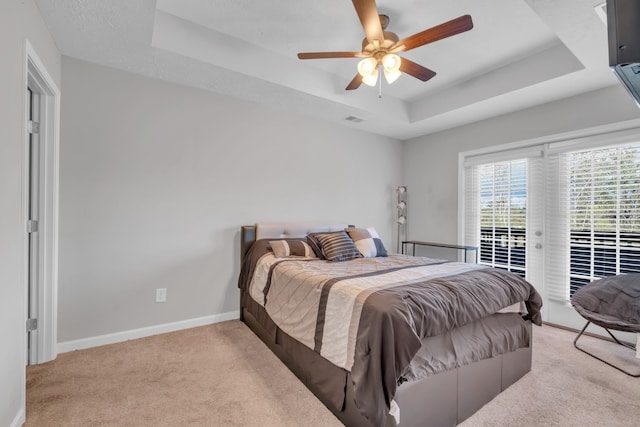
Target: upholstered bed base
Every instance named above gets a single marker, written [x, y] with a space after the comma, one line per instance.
[444, 399]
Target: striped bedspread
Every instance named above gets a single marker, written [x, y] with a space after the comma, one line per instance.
[369, 315]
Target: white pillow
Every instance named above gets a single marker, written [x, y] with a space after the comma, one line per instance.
[367, 241]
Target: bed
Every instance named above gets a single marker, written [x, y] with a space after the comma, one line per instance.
[386, 340]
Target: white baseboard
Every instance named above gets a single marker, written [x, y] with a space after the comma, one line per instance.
[144, 332]
[19, 419]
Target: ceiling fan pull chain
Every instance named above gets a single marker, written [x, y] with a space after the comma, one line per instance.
[380, 85]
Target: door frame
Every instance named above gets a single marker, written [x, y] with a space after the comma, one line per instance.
[39, 80]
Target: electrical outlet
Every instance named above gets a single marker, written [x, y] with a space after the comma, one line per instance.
[161, 295]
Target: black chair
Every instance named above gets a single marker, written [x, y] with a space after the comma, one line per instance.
[611, 303]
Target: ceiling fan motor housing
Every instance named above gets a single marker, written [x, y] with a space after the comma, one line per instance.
[390, 39]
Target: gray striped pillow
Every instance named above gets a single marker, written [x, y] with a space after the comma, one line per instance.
[337, 246]
[312, 240]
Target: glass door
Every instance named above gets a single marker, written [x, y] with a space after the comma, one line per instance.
[503, 216]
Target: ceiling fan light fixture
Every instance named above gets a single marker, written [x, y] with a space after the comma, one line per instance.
[391, 76]
[367, 66]
[371, 79]
[368, 69]
[391, 62]
[391, 67]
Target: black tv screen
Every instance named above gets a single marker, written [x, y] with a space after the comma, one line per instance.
[623, 25]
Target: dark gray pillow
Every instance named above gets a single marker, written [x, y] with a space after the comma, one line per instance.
[337, 246]
[312, 240]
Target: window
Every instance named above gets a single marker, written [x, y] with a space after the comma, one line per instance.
[503, 207]
[561, 213]
[604, 213]
[593, 200]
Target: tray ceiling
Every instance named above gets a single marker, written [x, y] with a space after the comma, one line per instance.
[520, 53]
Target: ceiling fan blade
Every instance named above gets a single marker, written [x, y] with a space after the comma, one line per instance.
[416, 70]
[368, 13]
[355, 83]
[439, 32]
[321, 55]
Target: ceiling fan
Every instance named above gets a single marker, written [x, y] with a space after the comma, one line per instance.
[380, 47]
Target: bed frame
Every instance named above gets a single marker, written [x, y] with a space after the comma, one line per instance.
[445, 399]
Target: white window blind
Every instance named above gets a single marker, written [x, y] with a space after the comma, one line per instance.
[593, 217]
[503, 199]
[557, 230]
[471, 208]
[499, 197]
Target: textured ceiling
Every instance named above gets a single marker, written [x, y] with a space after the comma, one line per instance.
[520, 53]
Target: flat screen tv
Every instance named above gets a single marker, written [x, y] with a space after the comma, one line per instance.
[623, 24]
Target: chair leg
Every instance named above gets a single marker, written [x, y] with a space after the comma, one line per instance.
[620, 342]
[575, 344]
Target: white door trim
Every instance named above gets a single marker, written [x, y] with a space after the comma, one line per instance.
[39, 79]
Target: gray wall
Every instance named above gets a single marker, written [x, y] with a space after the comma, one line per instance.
[431, 161]
[156, 180]
[19, 19]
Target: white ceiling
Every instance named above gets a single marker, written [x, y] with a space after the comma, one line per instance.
[520, 53]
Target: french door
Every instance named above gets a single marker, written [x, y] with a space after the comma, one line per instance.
[502, 206]
[559, 214]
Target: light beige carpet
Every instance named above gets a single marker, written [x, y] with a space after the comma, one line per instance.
[218, 375]
[222, 375]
